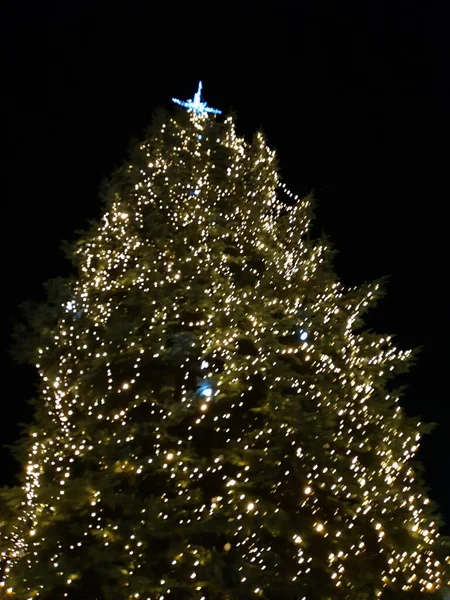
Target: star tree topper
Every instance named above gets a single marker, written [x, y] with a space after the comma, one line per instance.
[196, 104]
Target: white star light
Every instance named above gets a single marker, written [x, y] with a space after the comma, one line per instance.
[196, 104]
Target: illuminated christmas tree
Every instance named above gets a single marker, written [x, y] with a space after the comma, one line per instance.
[214, 423]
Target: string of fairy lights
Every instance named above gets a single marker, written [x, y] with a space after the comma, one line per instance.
[172, 247]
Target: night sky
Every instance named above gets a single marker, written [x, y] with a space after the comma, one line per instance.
[353, 95]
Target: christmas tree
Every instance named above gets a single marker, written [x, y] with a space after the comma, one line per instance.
[213, 421]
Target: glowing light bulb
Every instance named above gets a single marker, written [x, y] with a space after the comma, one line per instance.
[206, 390]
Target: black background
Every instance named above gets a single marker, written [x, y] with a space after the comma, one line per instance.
[354, 96]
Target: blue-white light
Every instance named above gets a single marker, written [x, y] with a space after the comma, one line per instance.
[71, 307]
[196, 104]
[206, 391]
[204, 364]
[303, 335]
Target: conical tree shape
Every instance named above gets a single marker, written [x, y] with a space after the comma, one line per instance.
[213, 423]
